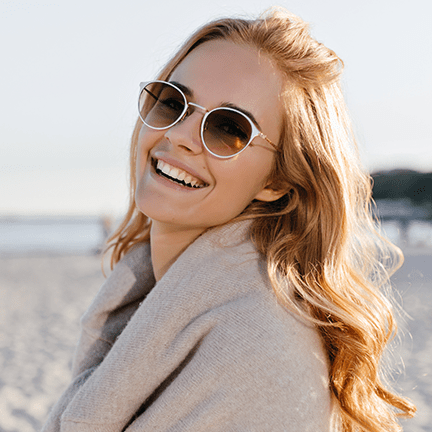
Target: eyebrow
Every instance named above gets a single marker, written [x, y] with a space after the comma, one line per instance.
[188, 92]
[245, 112]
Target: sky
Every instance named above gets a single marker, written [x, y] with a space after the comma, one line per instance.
[70, 73]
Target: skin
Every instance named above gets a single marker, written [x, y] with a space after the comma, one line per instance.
[216, 73]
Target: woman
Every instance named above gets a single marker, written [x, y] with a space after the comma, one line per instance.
[248, 279]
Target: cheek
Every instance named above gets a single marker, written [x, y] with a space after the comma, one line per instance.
[243, 179]
[146, 140]
[142, 155]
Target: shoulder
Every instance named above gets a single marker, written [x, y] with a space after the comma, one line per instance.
[255, 325]
[260, 353]
[235, 274]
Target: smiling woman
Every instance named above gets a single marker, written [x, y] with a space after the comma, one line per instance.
[214, 75]
[248, 291]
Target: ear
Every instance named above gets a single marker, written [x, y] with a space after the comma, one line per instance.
[267, 194]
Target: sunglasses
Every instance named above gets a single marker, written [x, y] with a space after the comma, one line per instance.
[225, 132]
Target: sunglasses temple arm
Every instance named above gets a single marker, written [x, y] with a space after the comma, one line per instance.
[272, 144]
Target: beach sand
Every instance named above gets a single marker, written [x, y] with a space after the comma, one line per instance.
[41, 301]
[42, 298]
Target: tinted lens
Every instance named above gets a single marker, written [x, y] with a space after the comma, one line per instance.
[161, 105]
[226, 132]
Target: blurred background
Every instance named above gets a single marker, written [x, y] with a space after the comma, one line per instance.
[70, 74]
[70, 79]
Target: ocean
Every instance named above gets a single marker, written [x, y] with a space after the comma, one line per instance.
[86, 234]
[24, 235]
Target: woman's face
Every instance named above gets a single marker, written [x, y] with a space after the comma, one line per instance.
[216, 73]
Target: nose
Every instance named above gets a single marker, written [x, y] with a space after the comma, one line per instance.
[186, 134]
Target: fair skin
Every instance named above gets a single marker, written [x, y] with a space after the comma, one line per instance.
[216, 73]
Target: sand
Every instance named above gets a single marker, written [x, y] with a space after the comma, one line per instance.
[42, 298]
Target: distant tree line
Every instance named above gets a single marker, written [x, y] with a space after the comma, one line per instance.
[400, 184]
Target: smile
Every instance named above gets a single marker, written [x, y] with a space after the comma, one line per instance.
[177, 175]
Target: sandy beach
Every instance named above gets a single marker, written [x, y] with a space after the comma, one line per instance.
[43, 296]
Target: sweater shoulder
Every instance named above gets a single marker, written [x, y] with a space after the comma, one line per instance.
[260, 349]
[258, 322]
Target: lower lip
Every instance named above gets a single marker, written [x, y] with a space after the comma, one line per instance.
[170, 183]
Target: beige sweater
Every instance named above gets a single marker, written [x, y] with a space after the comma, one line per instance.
[207, 348]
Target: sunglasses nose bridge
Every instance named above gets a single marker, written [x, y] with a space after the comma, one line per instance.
[191, 108]
[186, 137]
[197, 107]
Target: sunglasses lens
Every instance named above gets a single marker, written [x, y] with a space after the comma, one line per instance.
[160, 105]
[226, 132]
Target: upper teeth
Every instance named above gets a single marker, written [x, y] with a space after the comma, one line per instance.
[178, 174]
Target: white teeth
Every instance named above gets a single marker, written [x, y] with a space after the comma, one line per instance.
[166, 170]
[182, 175]
[174, 172]
[178, 174]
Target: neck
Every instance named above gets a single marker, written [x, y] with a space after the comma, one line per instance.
[167, 244]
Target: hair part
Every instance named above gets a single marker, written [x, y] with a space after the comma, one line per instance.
[326, 259]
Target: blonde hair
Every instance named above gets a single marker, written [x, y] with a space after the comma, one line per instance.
[320, 237]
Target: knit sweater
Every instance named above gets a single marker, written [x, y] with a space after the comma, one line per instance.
[207, 348]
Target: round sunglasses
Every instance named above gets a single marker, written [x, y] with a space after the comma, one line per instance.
[225, 132]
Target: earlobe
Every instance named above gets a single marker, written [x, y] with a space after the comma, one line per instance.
[269, 195]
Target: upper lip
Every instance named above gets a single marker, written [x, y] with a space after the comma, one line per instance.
[177, 164]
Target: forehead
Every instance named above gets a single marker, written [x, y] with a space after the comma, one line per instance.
[220, 72]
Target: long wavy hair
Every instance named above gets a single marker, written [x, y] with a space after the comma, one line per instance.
[320, 238]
